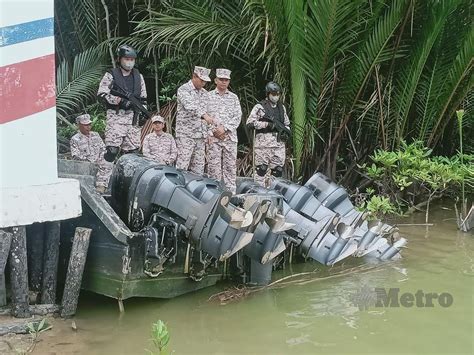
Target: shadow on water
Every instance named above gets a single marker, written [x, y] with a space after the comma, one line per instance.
[311, 316]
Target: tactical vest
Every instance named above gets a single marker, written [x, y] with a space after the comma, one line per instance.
[276, 113]
[119, 79]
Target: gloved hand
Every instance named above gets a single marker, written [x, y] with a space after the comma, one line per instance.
[284, 137]
[125, 104]
[270, 125]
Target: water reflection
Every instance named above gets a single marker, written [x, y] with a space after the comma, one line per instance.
[309, 316]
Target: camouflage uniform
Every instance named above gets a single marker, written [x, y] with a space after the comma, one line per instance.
[91, 148]
[160, 147]
[222, 154]
[267, 149]
[191, 130]
[119, 131]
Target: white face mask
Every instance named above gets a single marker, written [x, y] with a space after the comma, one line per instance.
[274, 98]
[127, 64]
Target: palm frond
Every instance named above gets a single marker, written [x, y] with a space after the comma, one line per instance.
[76, 85]
[330, 31]
[409, 77]
[207, 25]
[372, 51]
[460, 73]
[295, 15]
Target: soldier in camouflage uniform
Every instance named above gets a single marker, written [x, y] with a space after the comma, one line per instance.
[88, 146]
[192, 122]
[269, 149]
[122, 130]
[224, 106]
[158, 145]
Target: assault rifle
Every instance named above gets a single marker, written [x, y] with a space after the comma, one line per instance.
[283, 132]
[139, 108]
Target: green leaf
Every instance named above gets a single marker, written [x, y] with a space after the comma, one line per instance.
[77, 88]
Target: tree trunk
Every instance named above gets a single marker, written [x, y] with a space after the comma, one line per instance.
[109, 36]
[75, 269]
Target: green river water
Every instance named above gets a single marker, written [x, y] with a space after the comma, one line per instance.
[308, 317]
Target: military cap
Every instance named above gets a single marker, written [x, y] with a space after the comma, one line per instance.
[84, 119]
[157, 118]
[202, 73]
[223, 73]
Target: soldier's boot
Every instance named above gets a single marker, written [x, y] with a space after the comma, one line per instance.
[101, 189]
[260, 176]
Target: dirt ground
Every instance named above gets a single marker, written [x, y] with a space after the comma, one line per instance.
[61, 338]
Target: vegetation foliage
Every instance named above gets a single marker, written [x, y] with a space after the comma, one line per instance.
[357, 75]
[411, 177]
[160, 338]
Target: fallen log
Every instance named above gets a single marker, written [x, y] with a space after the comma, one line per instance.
[37, 310]
[75, 269]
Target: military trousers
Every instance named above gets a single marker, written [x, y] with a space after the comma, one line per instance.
[123, 135]
[191, 154]
[271, 157]
[103, 173]
[222, 162]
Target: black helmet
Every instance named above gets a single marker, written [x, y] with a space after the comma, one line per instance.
[272, 87]
[126, 51]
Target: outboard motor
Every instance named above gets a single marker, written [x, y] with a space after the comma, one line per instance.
[320, 242]
[368, 239]
[301, 199]
[266, 228]
[315, 239]
[333, 240]
[370, 234]
[146, 194]
[384, 251]
[335, 198]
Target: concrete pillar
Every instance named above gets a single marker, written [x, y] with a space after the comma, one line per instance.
[30, 189]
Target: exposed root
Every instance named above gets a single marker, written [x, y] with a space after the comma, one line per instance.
[238, 293]
[233, 294]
